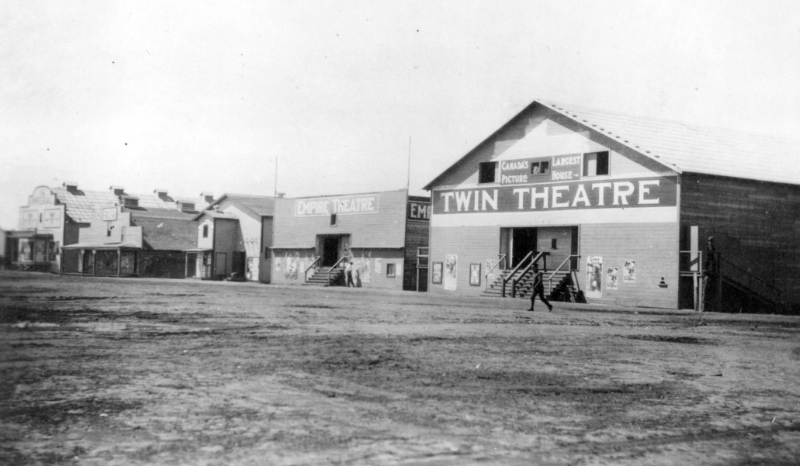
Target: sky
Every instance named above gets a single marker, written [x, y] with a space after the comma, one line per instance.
[195, 96]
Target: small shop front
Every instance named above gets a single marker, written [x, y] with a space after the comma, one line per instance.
[104, 260]
[30, 250]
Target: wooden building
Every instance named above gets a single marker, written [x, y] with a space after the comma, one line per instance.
[233, 237]
[383, 234]
[55, 218]
[618, 209]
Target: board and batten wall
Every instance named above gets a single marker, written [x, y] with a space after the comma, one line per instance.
[755, 224]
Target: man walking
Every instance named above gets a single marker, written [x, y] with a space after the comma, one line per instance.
[538, 289]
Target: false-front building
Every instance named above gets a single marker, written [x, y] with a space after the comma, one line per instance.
[384, 235]
[621, 204]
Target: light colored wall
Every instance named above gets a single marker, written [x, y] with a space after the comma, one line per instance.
[287, 260]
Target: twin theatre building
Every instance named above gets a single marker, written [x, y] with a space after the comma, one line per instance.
[623, 205]
[382, 235]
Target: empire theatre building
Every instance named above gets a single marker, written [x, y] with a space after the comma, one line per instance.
[622, 205]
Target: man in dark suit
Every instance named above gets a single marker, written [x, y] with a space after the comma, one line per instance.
[538, 289]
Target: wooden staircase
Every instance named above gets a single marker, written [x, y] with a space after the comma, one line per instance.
[563, 287]
[320, 277]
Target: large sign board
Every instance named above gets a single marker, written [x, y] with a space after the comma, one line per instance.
[340, 205]
[600, 194]
[541, 169]
[417, 210]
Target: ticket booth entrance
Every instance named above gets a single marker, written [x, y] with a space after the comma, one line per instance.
[331, 248]
[560, 242]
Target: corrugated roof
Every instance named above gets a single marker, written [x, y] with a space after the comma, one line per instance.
[687, 147]
[81, 205]
[166, 234]
[694, 148]
[260, 205]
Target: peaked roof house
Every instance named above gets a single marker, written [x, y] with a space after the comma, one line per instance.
[620, 207]
[234, 236]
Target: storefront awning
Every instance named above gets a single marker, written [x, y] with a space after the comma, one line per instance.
[102, 246]
[198, 250]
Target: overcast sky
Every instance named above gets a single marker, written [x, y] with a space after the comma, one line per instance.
[197, 96]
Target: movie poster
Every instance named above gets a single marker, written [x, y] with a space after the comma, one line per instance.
[378, 265]
[363, 268]
[629, 272]
[612, 275]
[490, 268]
[451, 272]
[594, 277]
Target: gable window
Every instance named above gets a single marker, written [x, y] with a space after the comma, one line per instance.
[486, 172]
[334, 220]
[595, 164]
[540, 168]
[205, 231]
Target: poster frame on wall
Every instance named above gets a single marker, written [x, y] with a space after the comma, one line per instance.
[475, 274]
[436, 273]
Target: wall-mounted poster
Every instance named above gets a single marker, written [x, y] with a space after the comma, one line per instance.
[475, 274]
[594, 277]
[612, 277]
[363, 269]
[436, 274]
[491, 269]
[451, 272]
[378, 265]
[629, 272]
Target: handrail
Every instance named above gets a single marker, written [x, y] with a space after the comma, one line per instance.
[333, 267]
[550, 278]
[305, 272]
[526, 270]
[500, 257]
[510, 274]
[750, 276]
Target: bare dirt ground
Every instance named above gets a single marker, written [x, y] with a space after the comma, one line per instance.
[138, 371]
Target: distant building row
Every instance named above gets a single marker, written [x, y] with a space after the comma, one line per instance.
[241, 237]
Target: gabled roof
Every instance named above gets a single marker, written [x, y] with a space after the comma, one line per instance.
[263, 206]
[215, 214]
[688, 147]
[166, 234]
[81, 205]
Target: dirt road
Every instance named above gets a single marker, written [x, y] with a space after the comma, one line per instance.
[137, 371]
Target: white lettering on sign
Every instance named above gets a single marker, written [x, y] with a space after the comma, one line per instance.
[616, 193]
[561, 161]
[514, 165]
[419, 211]
[358, 204]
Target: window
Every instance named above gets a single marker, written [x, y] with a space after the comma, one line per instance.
[486, 171]
[595, 164]
[390, 270]
[333, 220]
[554, 243]
[540, 168]
[205, 231]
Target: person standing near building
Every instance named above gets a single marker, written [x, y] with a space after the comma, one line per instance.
[348, 273]
[710, 270]
[538, 289]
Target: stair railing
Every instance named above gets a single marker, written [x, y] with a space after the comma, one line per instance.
[696, 266]
[513, 271]
[334, 267]
[528, 268]
[750, 277]
[500, 258]
[569, 258]
[312, 265]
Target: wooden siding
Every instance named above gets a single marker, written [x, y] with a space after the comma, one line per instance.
[756, 225]
[472, 245]
[384, 229]
[417, 233]
[654, 248]
[286, 261]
